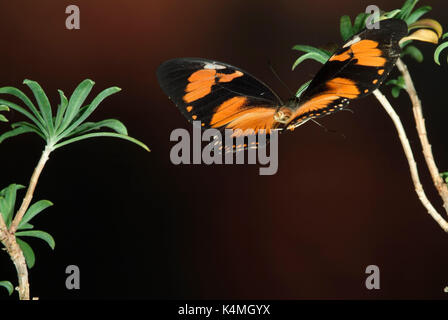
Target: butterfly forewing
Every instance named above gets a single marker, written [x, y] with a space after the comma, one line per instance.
[217, 94]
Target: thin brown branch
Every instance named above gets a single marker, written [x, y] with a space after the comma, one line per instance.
[30, 191]
[3, 229]
[15, 252]
[417, 109]
[411, 161]
[7, 237]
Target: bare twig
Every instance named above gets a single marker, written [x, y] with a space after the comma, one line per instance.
[3, 228]
[410, 157]
[417, 109]
[15, 252]
[30, 191]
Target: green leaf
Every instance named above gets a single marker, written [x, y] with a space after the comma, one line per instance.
[302, 88]
[398, 85]
[390, 14]
[74, 104]
[346, 28]
[22, 96]
[8, 201]
[26, 226]
[88, 111]
[80, 112]
[61, 109]
[101, 134]
[311, 55]
[113, 124]
[2, 109]
[38, 234]
[24, 112]
[8, 286]
[392, 82]
[438, 51]
[43, 102]
[28, 252]
[407, 8]
[30, 127]
[398, 82]
[417, 14]
[405, 43]
[34, 210]
[305, 48]
[360, 22]
[445, 36]
[413, 52]
[13, 133]
[396, 92]
[444, 176]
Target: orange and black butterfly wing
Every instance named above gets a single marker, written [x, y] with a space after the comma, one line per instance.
[217, 94]
[355, 70]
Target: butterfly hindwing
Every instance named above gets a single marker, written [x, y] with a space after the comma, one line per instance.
[355, 70]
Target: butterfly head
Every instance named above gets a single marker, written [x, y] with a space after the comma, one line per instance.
[284, 114]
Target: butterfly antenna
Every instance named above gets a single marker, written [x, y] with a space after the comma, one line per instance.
[326, 129]
[320, 125]
[279, 79]
[349, 110]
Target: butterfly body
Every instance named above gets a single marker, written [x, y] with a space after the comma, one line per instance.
[222, 96]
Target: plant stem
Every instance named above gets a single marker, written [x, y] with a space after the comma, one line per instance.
[30, 191]
[8, 238]
[417, 109]
[15, 252]
[410, 157]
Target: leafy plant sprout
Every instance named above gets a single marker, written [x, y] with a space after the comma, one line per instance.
[67, 126]
[426, 30]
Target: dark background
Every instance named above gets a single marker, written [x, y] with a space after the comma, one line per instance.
[140, 227]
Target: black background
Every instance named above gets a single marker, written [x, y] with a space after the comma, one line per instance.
[140, 227]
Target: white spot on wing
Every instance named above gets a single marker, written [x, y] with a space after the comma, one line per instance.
[214, 66]
[352, 42]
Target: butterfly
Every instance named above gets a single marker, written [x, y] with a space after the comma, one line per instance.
[222, 96]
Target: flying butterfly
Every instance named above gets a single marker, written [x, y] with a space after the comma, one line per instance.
[222, 96]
